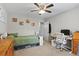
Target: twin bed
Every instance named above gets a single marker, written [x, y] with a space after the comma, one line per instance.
[22, 41]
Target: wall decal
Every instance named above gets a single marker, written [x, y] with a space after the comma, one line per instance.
[27, 21]
[14, 19]
[21, 23]
[33, 24]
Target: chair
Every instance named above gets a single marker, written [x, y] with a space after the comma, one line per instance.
[60, 41]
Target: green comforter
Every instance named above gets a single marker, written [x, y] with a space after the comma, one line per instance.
[22, 40]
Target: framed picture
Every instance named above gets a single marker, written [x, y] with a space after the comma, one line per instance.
[33, 24]
[21, 23]
[27, 21]
[14, 19]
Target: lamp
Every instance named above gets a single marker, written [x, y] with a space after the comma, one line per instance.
[41, 12]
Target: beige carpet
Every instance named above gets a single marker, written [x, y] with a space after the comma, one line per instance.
[45, 50]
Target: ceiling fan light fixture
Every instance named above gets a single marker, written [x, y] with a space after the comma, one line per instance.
[41, 12]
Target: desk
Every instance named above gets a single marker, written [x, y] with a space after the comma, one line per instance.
[69, 41]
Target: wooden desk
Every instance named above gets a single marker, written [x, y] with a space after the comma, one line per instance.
[6, 47]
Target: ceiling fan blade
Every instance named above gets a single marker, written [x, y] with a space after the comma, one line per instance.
[36, 4]
[48, 11]
[50, 5]
[33, 10]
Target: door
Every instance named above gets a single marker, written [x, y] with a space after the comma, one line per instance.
[44, 30]
[41, 31]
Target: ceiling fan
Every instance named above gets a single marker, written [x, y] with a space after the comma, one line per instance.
[42, 8]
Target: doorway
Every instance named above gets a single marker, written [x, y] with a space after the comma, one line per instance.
[44, 30]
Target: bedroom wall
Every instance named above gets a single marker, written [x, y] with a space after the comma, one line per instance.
[3, 20]
[66, 20]
[22, 30]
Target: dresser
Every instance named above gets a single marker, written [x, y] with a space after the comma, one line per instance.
[6, 47]
[75, 42]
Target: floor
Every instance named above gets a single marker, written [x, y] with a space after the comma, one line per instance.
[45, 50]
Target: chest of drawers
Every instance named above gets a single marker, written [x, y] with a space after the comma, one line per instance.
[75, 42]
[6, 47]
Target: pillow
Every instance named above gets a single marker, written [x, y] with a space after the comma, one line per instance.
[10, 36]
[14, 34]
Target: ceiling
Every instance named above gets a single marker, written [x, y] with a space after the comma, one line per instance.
[23, 9]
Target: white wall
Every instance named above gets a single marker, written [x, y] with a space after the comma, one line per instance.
[3, 20]
[2, 27]
[26, 29]
[66, 20]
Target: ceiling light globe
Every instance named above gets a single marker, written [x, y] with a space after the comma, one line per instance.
[41, 12]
